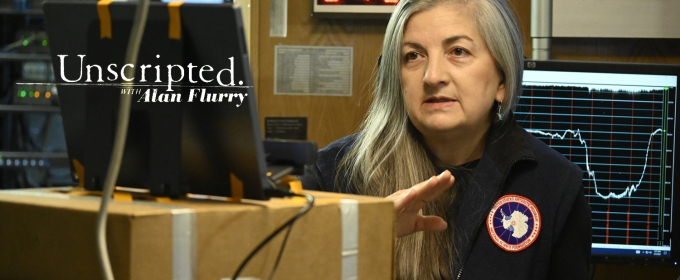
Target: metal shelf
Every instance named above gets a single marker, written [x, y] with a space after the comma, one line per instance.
[28, 108]
[29, 12]
[14, 154]
[24, 57]
[10, 159]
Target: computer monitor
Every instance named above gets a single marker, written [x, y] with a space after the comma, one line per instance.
[617, 122]
[193, 122]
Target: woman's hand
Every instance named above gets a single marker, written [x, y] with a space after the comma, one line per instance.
[409, 202]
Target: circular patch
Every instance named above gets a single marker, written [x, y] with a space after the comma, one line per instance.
[514, 223]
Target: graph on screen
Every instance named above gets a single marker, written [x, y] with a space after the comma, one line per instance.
[619, 128]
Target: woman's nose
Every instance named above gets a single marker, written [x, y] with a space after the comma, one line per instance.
[436, 74]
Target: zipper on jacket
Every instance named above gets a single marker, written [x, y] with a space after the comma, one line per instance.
[479, 226]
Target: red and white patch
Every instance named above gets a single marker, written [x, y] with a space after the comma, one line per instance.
[514, 223]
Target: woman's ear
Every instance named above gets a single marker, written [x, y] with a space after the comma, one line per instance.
[500, 92]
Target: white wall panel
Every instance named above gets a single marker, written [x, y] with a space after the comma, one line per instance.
[616, 18]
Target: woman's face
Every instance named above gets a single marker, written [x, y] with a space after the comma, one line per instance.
[448, 76]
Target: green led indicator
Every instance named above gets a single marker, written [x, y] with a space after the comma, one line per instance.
[44, 42]
[23, 93]
[666, 88]
[25, 43]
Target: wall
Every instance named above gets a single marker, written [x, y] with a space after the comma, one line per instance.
[329, 118]
[333, 117]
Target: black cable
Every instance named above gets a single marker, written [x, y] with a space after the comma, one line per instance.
[285, 239]
[273, 184]
[278, 258]
[304, 210]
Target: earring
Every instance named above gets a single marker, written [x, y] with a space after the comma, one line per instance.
[500, 116]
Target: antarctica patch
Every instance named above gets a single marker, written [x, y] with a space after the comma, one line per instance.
[514, 223]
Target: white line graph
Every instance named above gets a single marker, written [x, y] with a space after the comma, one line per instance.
[591, 173]
[623, 141]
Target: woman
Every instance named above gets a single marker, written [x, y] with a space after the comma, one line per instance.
[449, 76]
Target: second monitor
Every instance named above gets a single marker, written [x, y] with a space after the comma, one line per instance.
[617, 122]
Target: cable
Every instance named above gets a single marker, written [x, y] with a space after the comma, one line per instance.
[304, 210]
[19, 43]
[138, 25]
[278, 258]
[285, 239]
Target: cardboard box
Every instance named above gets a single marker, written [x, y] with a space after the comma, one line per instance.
[47, 234]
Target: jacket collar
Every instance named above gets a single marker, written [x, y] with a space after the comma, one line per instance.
[505, 146]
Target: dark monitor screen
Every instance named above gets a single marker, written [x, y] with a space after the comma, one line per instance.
[617, 122]
[193, 123]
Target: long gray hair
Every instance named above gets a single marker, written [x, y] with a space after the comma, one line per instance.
[389, 154]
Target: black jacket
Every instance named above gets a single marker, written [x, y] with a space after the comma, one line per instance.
[514, 163]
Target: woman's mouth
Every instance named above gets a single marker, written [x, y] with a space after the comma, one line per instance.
[438, 102]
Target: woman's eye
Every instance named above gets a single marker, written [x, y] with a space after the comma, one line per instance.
[412, 56]
[459, 51]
